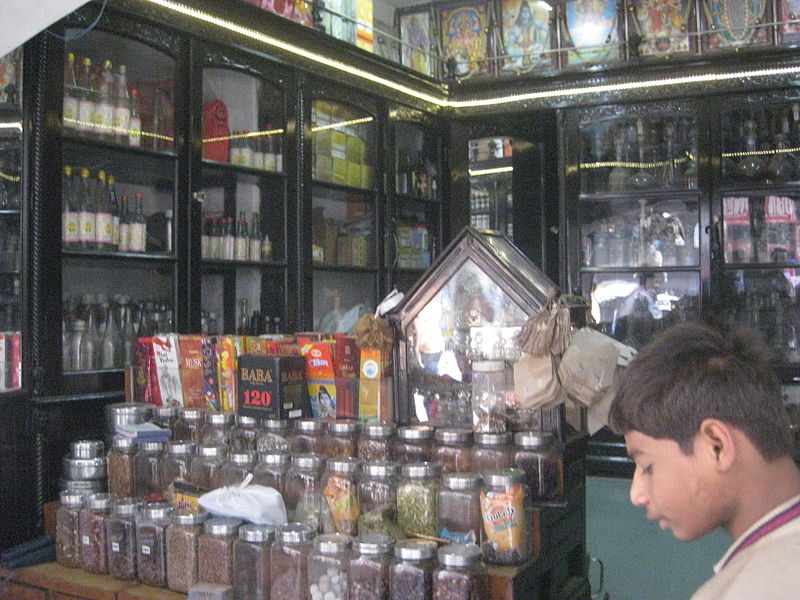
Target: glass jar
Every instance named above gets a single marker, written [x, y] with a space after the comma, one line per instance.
[376, 442]
[452, 450]
[342, 439]
[340, 496]
[271, 470]
[151, 543]
[215, 550]
[177, 466]
[506, 517]
[289, 562]
[541, 456]
[327, 567]
[414, 443]
[237, 467]
[92, 528]
[165, 416]
[460, 520]
[68, 548]
[274, 436]
[121, 538]
[148, 472]
[492, 451]
[304, 489]
[217, 429]
[308, 437]
[120, 467]
[377, 499]
[207, 466]
[188, 425]
[417, 497]
[251, 562]
[411, 572]
[488, 396]
[460, 575]
[183, 537]
[244, 434]
[368, 568]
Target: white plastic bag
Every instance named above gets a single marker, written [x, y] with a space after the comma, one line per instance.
[254, 503]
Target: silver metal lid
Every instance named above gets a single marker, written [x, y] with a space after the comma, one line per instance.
[83, 486]
[493, 439]
[246, 422]
[123, 444]
[333, 543]
[373, 543]
[377, 430]
[100, 501]
[504, 477]
[140, 409]
[151, 447]
[211, 451]
[180, 448]
[87, 448]
[461, 481]
[71, 499]
[459, 555]
[415, 432]
[242, 458]
[126, 507]
[343, 427]
[221, 526]
[187, 518]
[533, 439]
[256, 533]
[343, 465]
[220, 418]
[308, 425]
[156, 511]
[380, 469]
[308, 461]
[192, 415]
[420, 470]
[485, 366]
[165, 412]
[275, 424]
[453, 435]
[415, 549]
[278, 459]
[295, 533]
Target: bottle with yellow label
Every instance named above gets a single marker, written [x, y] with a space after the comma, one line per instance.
[506, 519]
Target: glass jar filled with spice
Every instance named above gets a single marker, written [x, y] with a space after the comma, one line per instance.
[376, 442]
[460, 519]
[215, 550]
[151, 543]
[411, 571]
[271, 470]
[183, 537]
[121, 538]
[207, 466]
[461, 575]
[541, 456]
[327, 567]
[68, 548]
[368, 568]
[217, 429]
[120, 467]
[308, 437]
[165, 416]
[506, 517]
[244, 435]
[289, 562]
[304, 489]
[340, 496]
[177, 466]
[237, 467]
[342, 439]
[148, 472]
[414, 443]
[452, 449]
[489, 405]
[492, 451]
[417, 498]
[251, 554]
[188, 425]
[274, 436]
[92, 529]
[377, 498]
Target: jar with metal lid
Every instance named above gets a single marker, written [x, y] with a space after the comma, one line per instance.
[327, 567]
[489, 405]
[461, 575]
[148, 471]
[183, 537]
[376, 442]
[289, 562]
[377, 499]
[251, 562]
[460, 520]
[217, 429]
[304, 489]
[452, 450]
[68, 548]
[120, 467]
[342, 439]
[307, 437]
[492, 451]
[274, 436]
[505, 510]
[215, 550]
[417, 498]
[411, 571]
[541, 456]
[368, 568]
[237, 467]
[165, 416]
[271, 470]
[414, 443]
[206, 466]
[188, 425]
[244, 434]
[339, 506]
[87, 449]
[121, 538]
[151, 543]
[177, 466]
[92, 528]
[126, 413]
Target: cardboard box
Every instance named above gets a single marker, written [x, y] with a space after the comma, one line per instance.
[323, 112]
[367, 181]
[321, 378]
[345, 367]
[322, 142]
[375, 387]
[271, 387]
[338, 144]
[323, 168]
[339, 171]
[190, 349]
[331, 241]
[210, 377]
[353, 174]
[225, 352]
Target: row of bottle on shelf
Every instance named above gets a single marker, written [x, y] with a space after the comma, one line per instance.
[226, 238]
[256, 150]
[250, 323]
[416, 176]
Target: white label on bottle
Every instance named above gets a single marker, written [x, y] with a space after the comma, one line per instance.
[146, 550]
[227, 247]
[86, 223]
[136, 240]
[270, 163]
[104, 228]
[124, 237]
[214, 247]
[122, 120]
[105, 117]
[236, 156]
[258, 160]
[86, 115]
[85, 540]
[69, 227]
[255, 250]
[135, 135]
[205, 244]
[115, 546]
[70, 111]
[240, 252]
[246, 157]
[279, 162]
[266, 249]
[115, 229]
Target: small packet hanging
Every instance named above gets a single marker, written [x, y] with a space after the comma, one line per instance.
[536, 382]
[254, 503]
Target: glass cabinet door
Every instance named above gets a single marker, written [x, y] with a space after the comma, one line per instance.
[491, 176]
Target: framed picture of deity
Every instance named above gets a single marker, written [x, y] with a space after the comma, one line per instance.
[416, 37]
[663, 27]
[464, 41]
[589, 32]
[734, 24]
[528, 36]
[789, 18]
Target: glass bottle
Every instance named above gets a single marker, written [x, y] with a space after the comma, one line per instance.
[377, 499]
[217, 429]
[417, 497]
[87, 105]
[251, 568]
[151, 547]
[177, 466]
[124, 224]
[71, 94]
[92, 527]
[452, 449]
[75, 341]
[104, 223]
[489, 395]
[308, 437]
[165, 416]
[215, 550]
[121, 537]
[237, 467]
[376, 442]
[342, 439]
[110, 342]
[207, 467]
[289, 562]
[241, 242]
[188, 425]
[183, 537]
[414, 443]
[122, 105]
[541, 457]
[492, 451]
[274, 437]
[120, 467]
[69, 210]
[303, 489]
[411, 571]
[254, 252]
[461, 575]
[90, 342]
[137, 227]
[751, 166]
[244, 434]
[111, 187]
[327, 567]
[135, 130]
[105, 103]
[68, 547]
[148, 472]
[86, 212]
[459, 507]
[368, 567]
[505, 510]
[340, 508]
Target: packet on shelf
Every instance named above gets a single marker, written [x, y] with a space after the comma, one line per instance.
[321, 377]
[271, 387]
[190, 349]
[225, 349]
[374, 386]
[346, 364]
[158, 378]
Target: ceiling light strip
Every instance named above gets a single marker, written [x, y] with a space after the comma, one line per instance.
[479, 172]
[342, 124]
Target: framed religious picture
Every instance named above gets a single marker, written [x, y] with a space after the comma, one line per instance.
[663, 26]
[296, 10]
[415, 41]
[528, 34]
[789, 28]
[464, 41]
[589, 32]
[735, 23]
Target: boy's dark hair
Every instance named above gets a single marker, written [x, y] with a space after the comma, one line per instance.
[693, 372]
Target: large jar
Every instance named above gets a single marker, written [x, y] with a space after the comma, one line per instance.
[417, 498]
[177, 466]
[215, 550]
[151, 543]
[340, 496]
[271, 470]
[342, 439]
[165, 416]
[492, 451]
[414, 443]
[120, 467]
[327, 567]
[68, 548]
[217, 429]
[541, 456]
[376, 442]
[368, 569]
[244, 434]
[289, 562]
[188, 425]
[460, 520]
[92, 528]
[183, 537]
[274, 436]
[452, 450]
[461, 575]
[506, 517]
[489, 405]
[121, 538]
[237, 467]
[148, 472]
[411, 572]
[251, 570]
[207, 466]
[304, 489]
[308, 437]
[377, 498]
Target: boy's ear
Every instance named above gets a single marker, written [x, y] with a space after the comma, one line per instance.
[716, 440]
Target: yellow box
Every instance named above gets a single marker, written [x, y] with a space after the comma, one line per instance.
[354, 174]
[339, 144]
[366, 177]
[322, 142]
[339, 170]
[323, 166]
[355, 149]
[323, 112]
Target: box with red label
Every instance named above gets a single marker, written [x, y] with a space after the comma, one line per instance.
[168, 369]
[345, 367]
[190, 349]
[321, 378]
[271, 387]
[374, 387]
[780, 215]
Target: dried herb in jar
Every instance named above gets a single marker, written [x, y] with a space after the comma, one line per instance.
[120, 468]
[376, 442]
[92, 525]
[417, 497]
[121, 535]
[289, 562]
[67, 530]
[461, 574]
[215, 550]
[368, 570]
[183, 536]
[151, 533]
[411, 574]
[251, 568]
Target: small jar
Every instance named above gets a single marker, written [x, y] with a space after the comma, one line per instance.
[308, 437]
[217, 429]
[452, 449]
[207, 466]
[368, 568]
[121, 538]
[414, 443]
[377, 499]
[244, 434]
[489, 405]
[68, 548]
[327, 567]
[460, 575]
[215, 550]
[120, 467]
[460, 520]
[92, 527]
[251, 562]
[342, 439]
[417, 498]
[340, 496]
[506, 517]
[271, 470]
[376, 442]
[304, 489]
[148, 472]
[183, 537]
[177, 466]
[491, 452]
[165, 416]
[411, 572]
[151, 543]
[541, 456]
[188, 425]
[85, 449]
[289, 562]
[274, 436]
[237, 467]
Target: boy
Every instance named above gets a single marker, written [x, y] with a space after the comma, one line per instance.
[705, 424]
